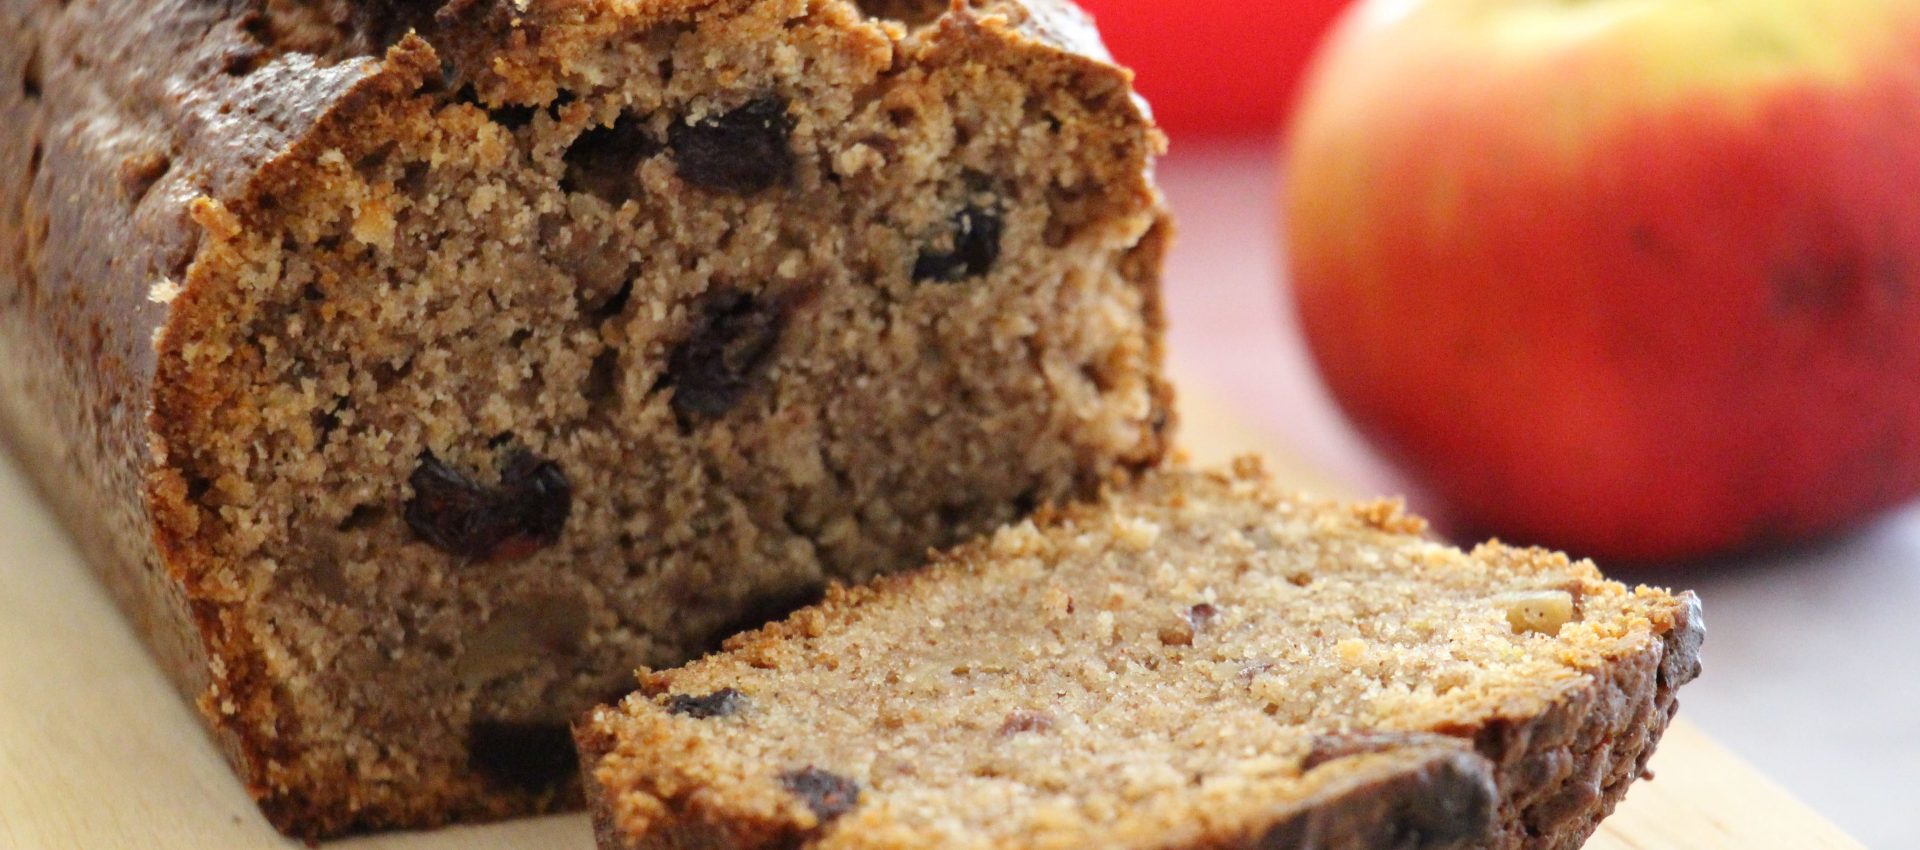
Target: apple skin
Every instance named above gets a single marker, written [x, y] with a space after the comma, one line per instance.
[1215, 69]
[1636, 279]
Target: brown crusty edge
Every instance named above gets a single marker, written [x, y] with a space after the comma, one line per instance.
[1430, 794]
[102, 202]
[1564, 770]
[1542, 781]
[1557, 773]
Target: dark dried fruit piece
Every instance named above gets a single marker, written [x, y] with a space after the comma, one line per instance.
[1201, 616]
[727, 348]
[525, 756]
[976, 247]
[725, 702]
[829, 795]
[459, 516]
[605, 161]
[743, 151]
[1026, 721]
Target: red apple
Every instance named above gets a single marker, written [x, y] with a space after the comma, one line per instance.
[1215, 68]
[1633, 277]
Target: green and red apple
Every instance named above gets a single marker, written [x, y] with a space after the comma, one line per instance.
[1639, 278]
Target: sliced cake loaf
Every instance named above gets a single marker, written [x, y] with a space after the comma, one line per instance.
[412, 370]
[1198, 662]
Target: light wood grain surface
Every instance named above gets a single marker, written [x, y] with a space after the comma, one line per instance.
[97, 753]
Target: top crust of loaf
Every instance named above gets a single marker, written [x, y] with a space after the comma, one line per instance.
[1531, 755]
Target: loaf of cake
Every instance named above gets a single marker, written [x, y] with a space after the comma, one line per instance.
[1197, 662]
[411, 371]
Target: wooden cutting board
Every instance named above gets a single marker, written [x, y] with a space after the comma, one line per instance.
[97, 753]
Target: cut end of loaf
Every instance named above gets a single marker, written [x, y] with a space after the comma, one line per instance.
[1198, 661]
[628, 328]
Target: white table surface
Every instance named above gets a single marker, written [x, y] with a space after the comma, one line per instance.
[1812, 656]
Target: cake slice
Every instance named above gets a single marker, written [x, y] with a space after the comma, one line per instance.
[411, 369]
[1199, 661]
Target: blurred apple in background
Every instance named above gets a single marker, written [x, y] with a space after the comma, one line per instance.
[1219, 68]
[1634, 277]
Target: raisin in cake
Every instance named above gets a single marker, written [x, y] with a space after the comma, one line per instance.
[413, 370]
[1199, 662]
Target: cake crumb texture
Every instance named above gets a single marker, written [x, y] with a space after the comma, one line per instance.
[413, 370]
[1198, 661]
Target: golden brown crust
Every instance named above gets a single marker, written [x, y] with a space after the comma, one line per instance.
[243, 699]
[85, 283]
[1563, 770]
[1508, 757]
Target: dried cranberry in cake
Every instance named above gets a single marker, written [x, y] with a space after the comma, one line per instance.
[721, 703]
[459, 516]
[732, 339]
[976, 247]
[603, 161]
[1201, 616]
[828, 794]
[525, 756]
[1026, 721]
[742, 151]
